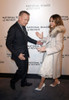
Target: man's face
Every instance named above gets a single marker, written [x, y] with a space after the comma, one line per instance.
[23, 19]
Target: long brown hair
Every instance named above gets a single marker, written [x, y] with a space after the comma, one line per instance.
[58, 21]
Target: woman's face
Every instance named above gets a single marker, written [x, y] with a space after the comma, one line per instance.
[52, 22]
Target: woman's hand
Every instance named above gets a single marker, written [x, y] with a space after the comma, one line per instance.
[39, 35]
[41, 49]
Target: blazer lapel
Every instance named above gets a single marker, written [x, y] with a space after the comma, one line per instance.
[18, 26]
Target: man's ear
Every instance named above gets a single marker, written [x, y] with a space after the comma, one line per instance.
[19, 17]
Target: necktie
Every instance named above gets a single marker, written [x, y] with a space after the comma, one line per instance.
[24, 30]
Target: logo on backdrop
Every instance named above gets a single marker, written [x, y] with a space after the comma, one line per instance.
[1, 62]
[0, 45]
[38, 6]
[65, 18]
[65, 55]
[9, 18]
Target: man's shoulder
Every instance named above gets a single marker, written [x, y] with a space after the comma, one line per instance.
[13, 27]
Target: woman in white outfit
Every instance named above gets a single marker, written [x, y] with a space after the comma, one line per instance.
[51, 66]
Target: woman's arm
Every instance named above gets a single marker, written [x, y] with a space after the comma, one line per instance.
[58, 46]
[53, 49]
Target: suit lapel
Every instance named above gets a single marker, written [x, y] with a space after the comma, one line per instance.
[22, 30]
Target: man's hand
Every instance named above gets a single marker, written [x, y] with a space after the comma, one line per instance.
[39, 43]
[21, 56]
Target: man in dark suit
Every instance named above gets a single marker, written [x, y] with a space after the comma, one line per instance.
[16, 42]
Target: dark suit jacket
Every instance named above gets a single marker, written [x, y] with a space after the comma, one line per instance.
[16, 41]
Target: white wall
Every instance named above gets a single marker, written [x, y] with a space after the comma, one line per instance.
[40, 12]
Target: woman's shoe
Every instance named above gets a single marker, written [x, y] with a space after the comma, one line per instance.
[39, 89]
[52, 85]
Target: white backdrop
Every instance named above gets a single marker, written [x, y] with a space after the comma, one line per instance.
[40, 12]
